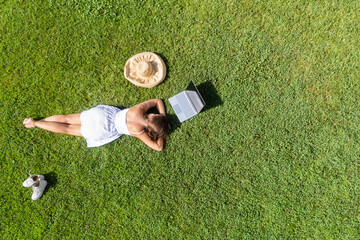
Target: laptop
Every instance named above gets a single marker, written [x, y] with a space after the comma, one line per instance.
[188, 103]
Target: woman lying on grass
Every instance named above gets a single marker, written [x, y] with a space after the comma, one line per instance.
[103, 124]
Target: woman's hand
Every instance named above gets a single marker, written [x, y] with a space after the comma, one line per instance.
[158, 103]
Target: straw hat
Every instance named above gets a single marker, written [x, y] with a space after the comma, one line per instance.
[145, 70]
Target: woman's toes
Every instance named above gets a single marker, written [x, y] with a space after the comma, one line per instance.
[28, 123]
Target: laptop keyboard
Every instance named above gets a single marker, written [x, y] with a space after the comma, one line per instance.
[185, 106]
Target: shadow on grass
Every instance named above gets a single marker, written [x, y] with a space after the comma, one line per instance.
[51, 179]
[210, 96]
[120, 107]
[174, 122]
[168, 71]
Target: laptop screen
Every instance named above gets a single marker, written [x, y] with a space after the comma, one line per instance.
[188, 103]
[192, 87]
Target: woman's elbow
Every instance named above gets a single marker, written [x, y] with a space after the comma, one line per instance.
[160, 148]
[156, 147]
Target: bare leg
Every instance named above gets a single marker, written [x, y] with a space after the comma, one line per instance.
[69, 119]
[57, 127]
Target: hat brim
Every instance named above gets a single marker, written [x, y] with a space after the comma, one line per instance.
[159, 70]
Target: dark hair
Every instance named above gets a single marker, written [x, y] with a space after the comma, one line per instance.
[157, 126]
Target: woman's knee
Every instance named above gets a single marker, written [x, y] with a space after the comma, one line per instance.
[74, 129]
[73, 119]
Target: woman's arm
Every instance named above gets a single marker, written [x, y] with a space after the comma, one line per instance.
[156, 145]
[142, 108]
[158, 103]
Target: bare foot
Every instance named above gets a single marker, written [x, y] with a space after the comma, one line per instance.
[29, 123]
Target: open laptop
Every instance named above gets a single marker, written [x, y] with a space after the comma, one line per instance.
[187, 103]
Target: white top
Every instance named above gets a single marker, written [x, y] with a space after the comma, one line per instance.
[120, 122]
[103, 124]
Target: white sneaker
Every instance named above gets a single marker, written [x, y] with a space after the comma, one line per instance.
[38, 190]
[32, 179]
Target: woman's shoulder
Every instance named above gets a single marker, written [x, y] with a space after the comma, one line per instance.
[135, 127]
[135, 120]
[138, 110]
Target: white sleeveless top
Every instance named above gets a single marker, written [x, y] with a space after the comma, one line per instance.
[121, 125]
[120, 122]
[103, 124]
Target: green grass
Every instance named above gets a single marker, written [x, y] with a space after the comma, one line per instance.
[274, 156]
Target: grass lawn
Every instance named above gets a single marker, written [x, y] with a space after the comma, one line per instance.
[274, 155]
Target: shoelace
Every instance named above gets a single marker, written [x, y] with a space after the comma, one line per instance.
[37, 190]
[37, 175]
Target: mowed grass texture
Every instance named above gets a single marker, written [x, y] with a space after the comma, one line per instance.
[274, 155]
